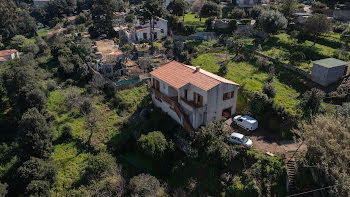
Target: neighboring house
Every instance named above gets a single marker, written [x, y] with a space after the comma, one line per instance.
[37, 3]
[6, 55]
[159, 23]
[246, 3]
[327, 71]
[192, 96]
[144, 34]
[301, 17]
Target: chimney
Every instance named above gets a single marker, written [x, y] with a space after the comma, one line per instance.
[198, 68]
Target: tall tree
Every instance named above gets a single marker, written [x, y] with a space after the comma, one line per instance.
[177, 7]
[289, 7]
[152, 9]
[272, 21]
[328, 146]
[317, 25]
[102, 16]
[210, 9]
[7, 18]
[35, 136]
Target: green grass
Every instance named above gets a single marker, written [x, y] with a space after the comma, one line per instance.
[282, 45]
[71, 162]
[70, 155]
[252, 79]
[196, 22]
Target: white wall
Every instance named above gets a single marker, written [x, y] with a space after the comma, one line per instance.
[139, 34]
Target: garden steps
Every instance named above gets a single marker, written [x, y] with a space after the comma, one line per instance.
[291, 174]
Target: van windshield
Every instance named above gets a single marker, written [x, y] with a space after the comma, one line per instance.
[244, 139]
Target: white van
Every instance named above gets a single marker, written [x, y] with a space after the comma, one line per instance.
[246, 122]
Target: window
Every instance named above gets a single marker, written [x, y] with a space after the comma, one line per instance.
[228, 95]
[155, 35]
[145, 36]
[162, 31]
[186, 92]
[155, 84]
[197, 99]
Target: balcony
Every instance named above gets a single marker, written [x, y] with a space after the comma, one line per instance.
[191, 103]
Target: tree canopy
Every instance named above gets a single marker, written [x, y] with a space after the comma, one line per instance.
[210, 9]
[271, 21]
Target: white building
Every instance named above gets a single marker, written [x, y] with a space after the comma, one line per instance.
[250, 3]
[6, 55]
[192, 96]
[144, 34]
[37, 3]
[159, 23]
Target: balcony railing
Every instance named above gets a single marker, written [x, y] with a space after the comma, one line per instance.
[190, 103]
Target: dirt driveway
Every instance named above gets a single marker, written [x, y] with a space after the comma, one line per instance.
[264, 141]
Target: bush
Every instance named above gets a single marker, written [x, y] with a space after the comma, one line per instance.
[98, 164]
[237, 13]
[30, 48]
[184, 57]
[3, 189]
[340, 28]
[272, 21]
[38, 188]
[86, 107]
[51, 85]
[269, 90]
[311, 101]
[67, 131]
[144, 185]
[296, 57]
[129, 18]
[262, 63]
[153, 144]
[256, 11]
[318, 5]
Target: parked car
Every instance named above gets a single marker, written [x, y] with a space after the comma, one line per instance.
[240, 139]
[246, 122]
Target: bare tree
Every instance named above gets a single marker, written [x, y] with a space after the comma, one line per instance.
[91, 123]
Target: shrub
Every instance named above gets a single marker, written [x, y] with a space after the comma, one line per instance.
[51, 85]
[318, 5]
[297, 57]
[86, 107]
[237, 13]
[144, 185]
[269, 90]
[3, 189]
[272, 21]
[262, 63]
[98, 164]
[129, 18]
[311, 101]
[256, 11]
[339, 28]
[223, 70]
[38, 188]
[344, 110]
[67, 131]
[153, 144]
[184, 57]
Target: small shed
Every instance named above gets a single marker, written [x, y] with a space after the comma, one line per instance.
[329, 70]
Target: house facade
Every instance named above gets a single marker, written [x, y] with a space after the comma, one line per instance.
[144, 34]
[6, 55]
[329, 70]
[191, 96]
[159, 23]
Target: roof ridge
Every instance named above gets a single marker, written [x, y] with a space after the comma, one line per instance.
[211, 75]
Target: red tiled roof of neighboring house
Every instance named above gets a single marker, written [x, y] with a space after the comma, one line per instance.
[2, 59]
[147, 28]
[7, 52]
[178, 75]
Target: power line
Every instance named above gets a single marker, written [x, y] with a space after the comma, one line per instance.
[316, 190]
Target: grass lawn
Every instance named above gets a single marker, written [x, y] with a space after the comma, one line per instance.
[252, 79]
[196, 22]
[70, 155]
[282, 45]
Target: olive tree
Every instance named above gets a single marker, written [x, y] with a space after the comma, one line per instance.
[271, 21]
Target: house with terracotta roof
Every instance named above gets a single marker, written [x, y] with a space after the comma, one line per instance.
[192, 96]
[143, 29]
[9, 54]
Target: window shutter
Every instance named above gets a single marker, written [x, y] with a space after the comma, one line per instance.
[157, 82]
[194, 98]
[200, 100]
[154, 83]
[232, 94]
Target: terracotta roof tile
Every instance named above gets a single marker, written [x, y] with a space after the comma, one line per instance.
[178, 75]
[7, 52]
